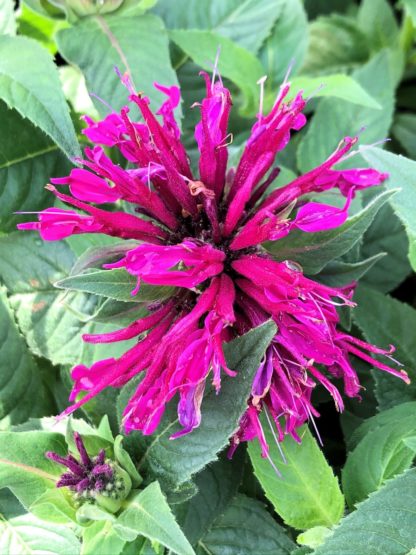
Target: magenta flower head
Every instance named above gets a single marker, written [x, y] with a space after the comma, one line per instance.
[93, 479]
[203, 234]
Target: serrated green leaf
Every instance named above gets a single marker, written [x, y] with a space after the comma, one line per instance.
[384, 321]
[19, 373]
[397, 413]
[34, 90]
[245, 22]
[410, 442]
[49, 329]
[402, 174]
[24, 469]
[380, 455]
[245, 528]
[115, 284]
[314, 250]
[384, 524]
[335, 119]
[308, 493]
[207, 519]
[287, 43]
[236, 63]
[136, 44]
[216, 486]
[27, 535]
[28, 158]
[149, 515]
[386, 234]
[174, 462]
[338, 273]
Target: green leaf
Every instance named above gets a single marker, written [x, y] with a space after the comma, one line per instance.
[384, 321]
[101, 538]
[7, 19]
[335, 119]
[380, 455]
[396, 413]
[337, 85]
[386, 234]
[411, 443]
[216, 486]
[235, 63]
[75, 91]
[376, 19]
[34, 90]
[336, 44]
[39, 27]
[149, 515]
[22, 393]
[10, 505]
[28, 158]
[410, 7]
[245, 528]
[44, 8]
[114, 284]
[27, 535]
[314, 250]
[24, 469]
[203, 522]
[404, 129]
[308, 493]
[402, 173]
[137, 45]
[89, 511]
[174, 462]
[338, 273]
[383, 524]
[245, 22]
[125, 461]
[54, 506]
[314, 537]
[286, 44]
[49, 329]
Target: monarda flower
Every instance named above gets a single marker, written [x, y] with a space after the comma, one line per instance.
[97, 480]
[203, 234]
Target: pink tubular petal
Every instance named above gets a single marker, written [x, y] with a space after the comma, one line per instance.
[55, 224]
[119, 224]
[269, 135]
[85, 185]
[313, 217]
[211, 135]
[167, 108]
[155, 264]
[133, 330]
